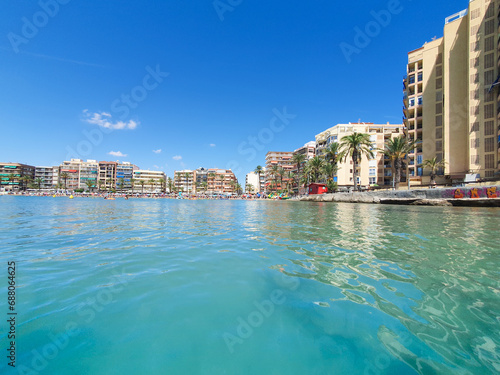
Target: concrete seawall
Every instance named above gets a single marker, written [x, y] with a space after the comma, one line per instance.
[472, 197]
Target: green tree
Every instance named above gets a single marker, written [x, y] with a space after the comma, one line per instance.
[396, 150]
[434, 165]
[332, 156]
[315, 166]
[355, 146]
[90, 185]
[275, 173]
[121, 183]
[170, 184]
[152, 182]
[142, 182]
[259, 170]
[39, 181]
[299, 159]
[65, 176]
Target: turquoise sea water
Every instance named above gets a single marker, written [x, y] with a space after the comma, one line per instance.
[235, 287]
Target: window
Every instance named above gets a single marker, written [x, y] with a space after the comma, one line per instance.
[412, 102]
[439, 70]
[420, 171]
[439, 133]
[489, 161]
[373, 180]
[489, 44]
[474, 127]
[488, 111]
[439, 58]
[439, 83]
[488, 96]
[474, 78]
[474, 46]
[474, 110]
[420, 100]
[411, 79]
[474, 94]
[475, 13]
[439, 108]
[489, 61]
[490, 12]
[489, 27]
[489, 145]
[420, 77]
[489, 77]
[373, 172]
[474, 62]
[439, 96]
[439, 146]
[474, 30]
[419, 159]
[474, 143]
[489, 128]
[474, 159]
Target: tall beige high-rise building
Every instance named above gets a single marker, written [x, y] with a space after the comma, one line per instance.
[451, 97]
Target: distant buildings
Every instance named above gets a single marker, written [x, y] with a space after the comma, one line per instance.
[149, 181]
[15, 176]
[275, 160]
[451, 97]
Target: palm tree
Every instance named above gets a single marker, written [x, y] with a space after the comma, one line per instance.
[65, 177]
[142, 182]
[237, 187]
[152, 182]
[298, 159]
[26, 180]
[315, 166]
[332, 156]
[259, 171]
[355, 145]
[327, 172]
[396, 150]
[132, 184]
[275, 173]
[204, 186]
[434, 165]
[39, 181]
[221, 178]
[121, 183]
[101, 185]
[90, 184]
[249, 188]
[163, 184]
[281, 173]
[187, 175]
[170, 184]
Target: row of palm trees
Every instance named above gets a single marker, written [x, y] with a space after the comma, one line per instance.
[324, 167]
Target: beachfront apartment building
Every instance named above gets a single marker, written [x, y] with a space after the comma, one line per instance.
[221, 181]
[125, 175]
[257, 182]
[15, 176]
[372, 171]
[451, 97]
[185, 181]
[46, 175]
[149, 181]
[107, 175]
[275, 161]
[75, 173]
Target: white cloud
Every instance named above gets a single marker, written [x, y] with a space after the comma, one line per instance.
[117, 153]
[212, 144]
[104, 120]
[156, 167]
[157, 151]
[177, 157]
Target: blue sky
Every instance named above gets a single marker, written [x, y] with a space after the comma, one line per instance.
[183, 84]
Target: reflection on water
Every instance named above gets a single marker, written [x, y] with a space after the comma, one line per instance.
[379, 289]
